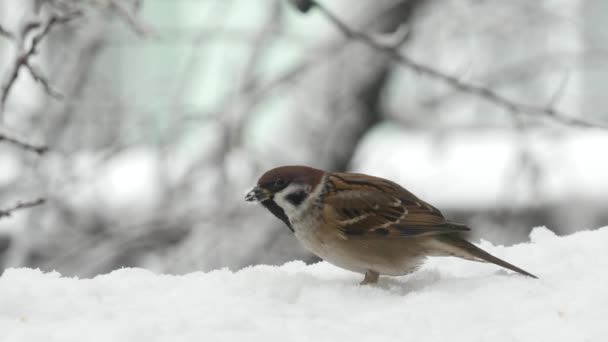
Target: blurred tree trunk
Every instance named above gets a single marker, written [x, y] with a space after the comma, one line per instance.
[338, 102]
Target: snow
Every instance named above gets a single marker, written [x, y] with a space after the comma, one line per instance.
[446, 300]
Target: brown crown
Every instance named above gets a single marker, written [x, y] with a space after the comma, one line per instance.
[293, 173]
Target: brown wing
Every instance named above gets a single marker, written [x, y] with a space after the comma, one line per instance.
[368, 207]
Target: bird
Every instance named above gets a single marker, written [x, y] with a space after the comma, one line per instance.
[362, 223]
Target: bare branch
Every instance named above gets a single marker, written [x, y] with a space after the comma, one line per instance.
[27, 28]
[37, 76]
[38, 149]
[6, 33]
[21, 205]
[53, 21]
[23, 58]
[477, 90]
[559, 91]
[141, 28]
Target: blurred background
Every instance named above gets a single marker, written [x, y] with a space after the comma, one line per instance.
[144, 123]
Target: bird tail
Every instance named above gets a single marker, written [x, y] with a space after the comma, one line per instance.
[467, 250]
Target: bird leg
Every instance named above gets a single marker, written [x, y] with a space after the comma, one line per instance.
[371, 277]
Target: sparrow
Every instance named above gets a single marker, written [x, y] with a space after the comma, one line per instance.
[363, 223]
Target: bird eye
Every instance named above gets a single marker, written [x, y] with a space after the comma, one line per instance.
[280, 182]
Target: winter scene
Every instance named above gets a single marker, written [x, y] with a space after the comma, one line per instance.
[303, 170]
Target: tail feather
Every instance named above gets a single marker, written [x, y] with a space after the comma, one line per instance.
[470, 251]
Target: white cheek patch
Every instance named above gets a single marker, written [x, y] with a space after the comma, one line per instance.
[281, 199]
[296, 209]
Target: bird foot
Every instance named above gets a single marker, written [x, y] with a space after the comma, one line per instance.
[371, 277]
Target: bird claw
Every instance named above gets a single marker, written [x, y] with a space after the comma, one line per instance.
[371, 277]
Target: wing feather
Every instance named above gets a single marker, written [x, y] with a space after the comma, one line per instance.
[371, 207]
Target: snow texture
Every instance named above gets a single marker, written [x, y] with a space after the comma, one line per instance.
[446, 300]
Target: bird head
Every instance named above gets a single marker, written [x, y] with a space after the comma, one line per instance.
[285, 190]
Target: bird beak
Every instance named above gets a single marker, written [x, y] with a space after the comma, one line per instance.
[258, 194]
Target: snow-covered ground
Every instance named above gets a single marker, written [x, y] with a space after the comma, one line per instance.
[447, 300]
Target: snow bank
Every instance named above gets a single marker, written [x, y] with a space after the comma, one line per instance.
[447, 300]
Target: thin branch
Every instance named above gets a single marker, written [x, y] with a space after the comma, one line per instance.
[260, 46]
[559, 91]
[53, 20]
[6, 33]
[38, 77]
[38, 149]
[141, 28]
[27, 28]
[520, 71]
[477, 90]
[23, 59]
[21, 205]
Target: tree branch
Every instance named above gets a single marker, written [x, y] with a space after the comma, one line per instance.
[23, 59]
[6, 33]
[139, 27]
[38, 149]
[21, 205]
[477, 90]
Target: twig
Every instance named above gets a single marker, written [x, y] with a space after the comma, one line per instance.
[21, 205]
[141, 28]
[260, 46]
[38, 77]
[477, 90]
[23, 60]
[559, 91]
[39, 149]
[6, 33]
